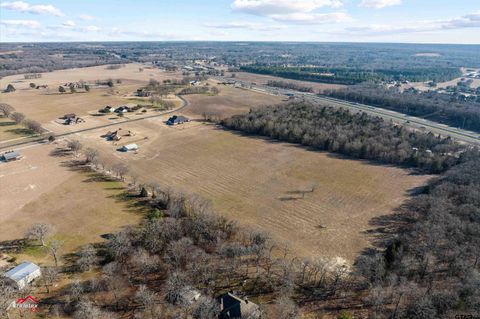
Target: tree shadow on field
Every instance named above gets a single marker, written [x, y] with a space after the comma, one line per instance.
[13, 246]
[412, 170]
[60, 152]
[20, 131]
[7, 123]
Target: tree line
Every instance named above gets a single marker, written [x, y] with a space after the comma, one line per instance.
[350, 76]
[8, 111]
[438, 107]
[353, 134]
[290, 86]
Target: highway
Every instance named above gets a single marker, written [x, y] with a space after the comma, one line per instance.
[417, 123]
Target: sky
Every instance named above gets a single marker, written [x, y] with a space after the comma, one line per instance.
[406, 21]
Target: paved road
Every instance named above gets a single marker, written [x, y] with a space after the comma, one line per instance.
[399, 118]
[27, 141]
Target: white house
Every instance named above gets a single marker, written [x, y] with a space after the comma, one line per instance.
[24, 274]
[129, 147]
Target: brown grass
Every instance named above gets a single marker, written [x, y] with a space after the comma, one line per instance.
[256, 182]
[42, 189]
[263, 79]
[228, 102]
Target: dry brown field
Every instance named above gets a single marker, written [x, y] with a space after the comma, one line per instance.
[40, 188]
[9, 130]
[45, 105]
[252, 180]
[228, 102]
[257, 182]
[263, 79]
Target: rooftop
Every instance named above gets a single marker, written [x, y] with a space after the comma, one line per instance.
[21, 271]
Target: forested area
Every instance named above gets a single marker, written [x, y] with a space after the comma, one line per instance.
[394, 59]
[434, 106]
[427, 264]
[426, 259]
[353, 134]
[349, 76]
[290, 86]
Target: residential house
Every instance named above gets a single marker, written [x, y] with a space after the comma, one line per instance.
[177, 120]
[232, 306]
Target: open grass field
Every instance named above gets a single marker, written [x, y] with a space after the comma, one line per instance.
[258, 182]
[10, 130]
[263, 79]
[45, 105]
[43, 189]
[254, 181]
[228, 102]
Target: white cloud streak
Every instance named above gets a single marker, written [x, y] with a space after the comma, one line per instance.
[245, 25]
[471, 20]
[43, 9]
[85, 17]
[293, 11]
[379, 4]
[30, 24]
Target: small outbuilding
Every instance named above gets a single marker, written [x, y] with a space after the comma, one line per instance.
[24, 274]
[129, 147]
[177, 120]
[10, 156]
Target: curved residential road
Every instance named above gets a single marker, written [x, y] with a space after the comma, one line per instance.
[465, 136]
[184, 103]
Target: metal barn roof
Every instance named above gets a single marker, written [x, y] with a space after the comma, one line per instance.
[21, 271]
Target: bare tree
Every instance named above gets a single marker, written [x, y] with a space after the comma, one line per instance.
[91, 154]
[205, 308]
[87, 258]
[75, 146]
[7, 294]
[147, 299]
[6, 109]
[50, 276]
[285, 308]
[54, 248]
[39, 231]
[214, 90]
[33, 126]
[18, 117]
[120, 170]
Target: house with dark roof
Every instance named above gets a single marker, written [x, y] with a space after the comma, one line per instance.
[177, 120]
[234, 307]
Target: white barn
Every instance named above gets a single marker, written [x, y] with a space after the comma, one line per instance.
[24, 274]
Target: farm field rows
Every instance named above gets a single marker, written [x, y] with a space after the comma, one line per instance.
[254, 181]
[258, 183]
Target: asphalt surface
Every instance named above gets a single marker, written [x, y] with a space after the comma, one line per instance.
[418, 123]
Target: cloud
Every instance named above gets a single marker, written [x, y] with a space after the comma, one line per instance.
[268, 7]
[69, 24]
[31, 24]
[292, 11]
[378, 4]
[245, 25]
[90, 28]
[35, 9]
[471, 20]
[117, 32]
[313, 18]
[85, 17]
